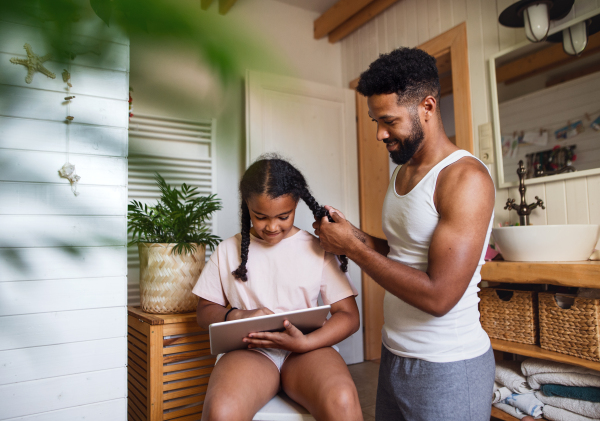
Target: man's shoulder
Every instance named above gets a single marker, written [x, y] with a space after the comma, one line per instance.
[467, 170]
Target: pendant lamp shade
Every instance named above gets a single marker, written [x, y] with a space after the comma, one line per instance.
[536, 21]
[535, 16]
[575, 38]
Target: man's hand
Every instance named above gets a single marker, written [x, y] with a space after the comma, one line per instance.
[291, 339]
[245, 314]
[317, 224]
[336, 237]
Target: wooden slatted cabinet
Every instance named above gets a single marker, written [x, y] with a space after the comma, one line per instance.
[169, 364]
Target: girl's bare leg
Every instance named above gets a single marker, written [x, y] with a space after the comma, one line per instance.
[320, 381]
[242, 382]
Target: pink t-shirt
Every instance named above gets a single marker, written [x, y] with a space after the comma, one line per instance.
[282, 277]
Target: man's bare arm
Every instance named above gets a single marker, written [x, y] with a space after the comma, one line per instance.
[465, 201]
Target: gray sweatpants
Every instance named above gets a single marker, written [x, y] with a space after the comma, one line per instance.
[410, 389]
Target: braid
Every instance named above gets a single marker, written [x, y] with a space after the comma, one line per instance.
[241, 271]
[274, 177]
[319, 212]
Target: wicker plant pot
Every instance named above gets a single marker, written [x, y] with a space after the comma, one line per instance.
[514, 320]
[573, 331]
[166, 280]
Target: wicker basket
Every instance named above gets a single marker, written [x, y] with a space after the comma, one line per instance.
[166, 280]
[514, 320]
[573, 331]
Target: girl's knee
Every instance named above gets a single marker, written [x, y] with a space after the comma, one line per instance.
[342, 402]
[221, 410]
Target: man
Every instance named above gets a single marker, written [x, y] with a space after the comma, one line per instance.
[436, 363]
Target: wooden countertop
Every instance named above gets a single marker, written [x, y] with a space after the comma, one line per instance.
[574, 274]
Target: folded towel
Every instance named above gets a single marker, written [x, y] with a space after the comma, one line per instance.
[556, 414]
[566, 379]
[532, 366]
[585, 408]
[508, 373]
[526, 402]
[511, 410]
[591, 394]
[500, 393]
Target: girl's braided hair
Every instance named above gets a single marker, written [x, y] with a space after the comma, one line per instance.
[275, 177]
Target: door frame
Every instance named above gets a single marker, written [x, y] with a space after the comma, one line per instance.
[373, 166]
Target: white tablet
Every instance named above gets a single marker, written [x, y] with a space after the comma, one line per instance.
[228, 336]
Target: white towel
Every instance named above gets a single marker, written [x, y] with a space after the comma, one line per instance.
[500, 393]
[556, 414]
[532, 366]
[511, 410]
[566, 379]
[526, 402]
[509, 374]
[585, 408]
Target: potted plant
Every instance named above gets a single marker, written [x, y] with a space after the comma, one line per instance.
[172, 237]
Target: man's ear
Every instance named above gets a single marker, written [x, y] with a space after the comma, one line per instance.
[429, 105]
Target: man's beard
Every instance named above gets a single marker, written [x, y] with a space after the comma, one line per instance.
[411, 144]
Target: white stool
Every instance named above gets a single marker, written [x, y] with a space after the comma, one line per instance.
[282, 408]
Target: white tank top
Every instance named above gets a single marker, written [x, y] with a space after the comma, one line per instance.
[408, 223]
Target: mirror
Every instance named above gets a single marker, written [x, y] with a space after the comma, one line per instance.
[546, 109]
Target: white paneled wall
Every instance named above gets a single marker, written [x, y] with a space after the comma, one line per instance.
[410, 23]
[62, 257]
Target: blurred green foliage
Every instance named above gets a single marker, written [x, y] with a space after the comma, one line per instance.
[220, 44]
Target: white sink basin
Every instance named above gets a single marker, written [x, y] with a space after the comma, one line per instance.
[546, 243]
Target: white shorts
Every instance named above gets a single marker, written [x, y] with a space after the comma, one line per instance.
[277, 356]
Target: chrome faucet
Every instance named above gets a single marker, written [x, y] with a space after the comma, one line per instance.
[523, 209]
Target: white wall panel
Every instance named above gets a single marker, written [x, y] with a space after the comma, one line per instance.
[577, 201]
[422, 22]
[112, 410]
[42, 167]
[25, 297]
[33, 330]
[51, 136]
[63, 257]
[47, 105]
[42, 362]
[62, 262]
[58, 199]
[28, 398]
[556, 208]
[112, 56]
[58, 231]
[85, 80]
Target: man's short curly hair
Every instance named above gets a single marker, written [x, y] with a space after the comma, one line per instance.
[409, 72]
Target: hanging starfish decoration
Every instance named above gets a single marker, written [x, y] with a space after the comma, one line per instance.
[34, 64]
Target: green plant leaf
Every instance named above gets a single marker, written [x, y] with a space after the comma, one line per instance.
[103, 8]
[179, 217]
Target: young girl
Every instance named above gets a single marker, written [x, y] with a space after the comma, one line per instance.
[272, 267]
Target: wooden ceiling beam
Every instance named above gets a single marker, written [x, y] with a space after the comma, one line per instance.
[573, 75]
[359, 19]
[336, 15]
[542, 60]
[225, 5]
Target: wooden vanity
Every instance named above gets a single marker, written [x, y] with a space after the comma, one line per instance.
[571, 274]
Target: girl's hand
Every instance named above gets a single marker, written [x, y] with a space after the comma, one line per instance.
[245, 314]
[290, 340]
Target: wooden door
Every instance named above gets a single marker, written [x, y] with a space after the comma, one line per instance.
[312, 125]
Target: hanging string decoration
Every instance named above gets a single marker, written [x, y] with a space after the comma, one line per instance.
[68, 170]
